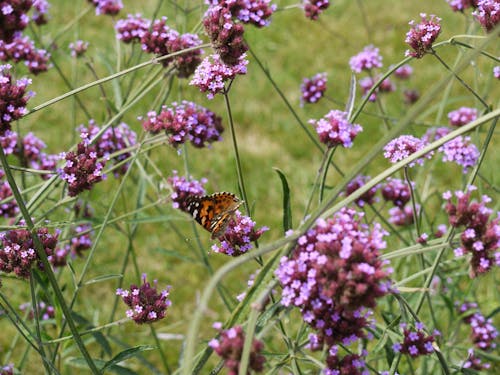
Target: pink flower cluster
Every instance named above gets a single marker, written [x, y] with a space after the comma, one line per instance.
[132, 29]
[8, 208]
[461, 5]
[229, 346]
[238, 236]
[45, 311]
[107, 7]
[368, 197]
[461, 151]
[255, 12]
[146, 304]
[313, 88]
[334, 129]
[422, 35]
[183, 188]
[13, 17]
[313, 8]
[402, 147]
[488, 14]
[22, 48]
[367, 59]
[415, 342]
[352, 364]
[13, 98]
[481, 236]
[462, 116]
[78, 48]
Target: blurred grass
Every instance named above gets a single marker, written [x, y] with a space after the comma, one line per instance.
[292, 48]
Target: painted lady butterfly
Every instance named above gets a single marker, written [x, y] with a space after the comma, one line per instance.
[213, 212]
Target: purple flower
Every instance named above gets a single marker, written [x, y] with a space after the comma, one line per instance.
[366, 198]
[82, 169]
[313, 8]
[185, 63]
[229, 346]
[483, 332]
[81, 239]
[367, 59]
[7, 369]
[352, 364]
[462, 116]
[13, 98]
[422, 35]
[334, 129]
[238, 237]
[488, 13]
[78, 48]
[8, 141]
[8, 208]
[184, 122]
[132, 29]
[416, 343]
[146, 305]
[225, 35]
[433, 134]
[255, 12]
[411, 96]
[22, 48]
[397, 192]
[183, 188]
[474, 362]
[45, 311]
[313, 88]
[41, 8]
[462, 151]
[13, 18]
[402, 147]
[157, 39]
[404, 72]
[402, 216]
[211, 75]
[367, 83]
[107, 7]
[461, 5]
[496, 72]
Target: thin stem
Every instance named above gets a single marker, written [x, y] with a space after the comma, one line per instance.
[416, 216]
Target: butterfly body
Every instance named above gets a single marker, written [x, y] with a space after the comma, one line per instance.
[213, 211]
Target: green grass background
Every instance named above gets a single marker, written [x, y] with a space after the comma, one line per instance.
[291, 48]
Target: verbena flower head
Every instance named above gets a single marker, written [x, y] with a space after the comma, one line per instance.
[334, 275]
[402, 147]
[157, 39]
[334, 129]
[8, 141]
[462, 116]
[45, 311]
[422, 35]
[474, 362]
[416, 342]
[367, 59]
[13, 98]
[31, 148]
[483, 332]
[17, 252]
[488, 13]
[313, 88]
[496, 72]
[82, 169]
[9, 208]
[40, 12]
[255, 12]
[112, 141]
[146, 304]
[22, 48]
[187, 62]
[78, 48]
[313, 8]
[411, 96]
[481, 236]
[366, 84]
[132, 29]
[238, 236]
[13, 17]
[225, 35]
[404, 72]
[186, 121]
[461, 151]
[81, 239]
[229, 346]
[7, 369]
[396, 191]
[183, 188]
[402, 216]
[211, 75]
[352, 364]
[366, 198]
[461, 5]
[433, 134]
[107, 7]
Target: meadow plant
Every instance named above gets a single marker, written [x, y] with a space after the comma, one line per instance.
[356, 236]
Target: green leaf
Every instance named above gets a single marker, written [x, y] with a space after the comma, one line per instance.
[127, 353]
[287, 211]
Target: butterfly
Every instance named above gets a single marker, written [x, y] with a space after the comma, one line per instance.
[213, 211]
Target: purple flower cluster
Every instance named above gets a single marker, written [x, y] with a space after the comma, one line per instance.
[402, 147]
[146, 305]
[416, 342]
[402, 216]
[81, 239]
[229, 346]
[29, 152]
[78, 48]
[41, 8]
[132, 29]
[461, 5]
[45, 311]
[8, 141]
[335, 276]
[255, 12]
[462, 116]
[212, 74]
[367, 83]
[22, 48]
[367, 59]
[7, 369]
[404, 72]
[411, 96]
[107, 7]
[185, 121]
[334, 129]
[17, 252]
[82, 169]
[352, 364]
[397, 192]
[488, 13]
[368, 197]
[462, 151]
[158, 38]
[422, 35]
[496, 72]
[8, 208]
[13, 17]
[313, 88]
[238, 237]
[483, 332]
[313, 8]
[112, 141]
[481, 237]
[184, 188]
[13, 98]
